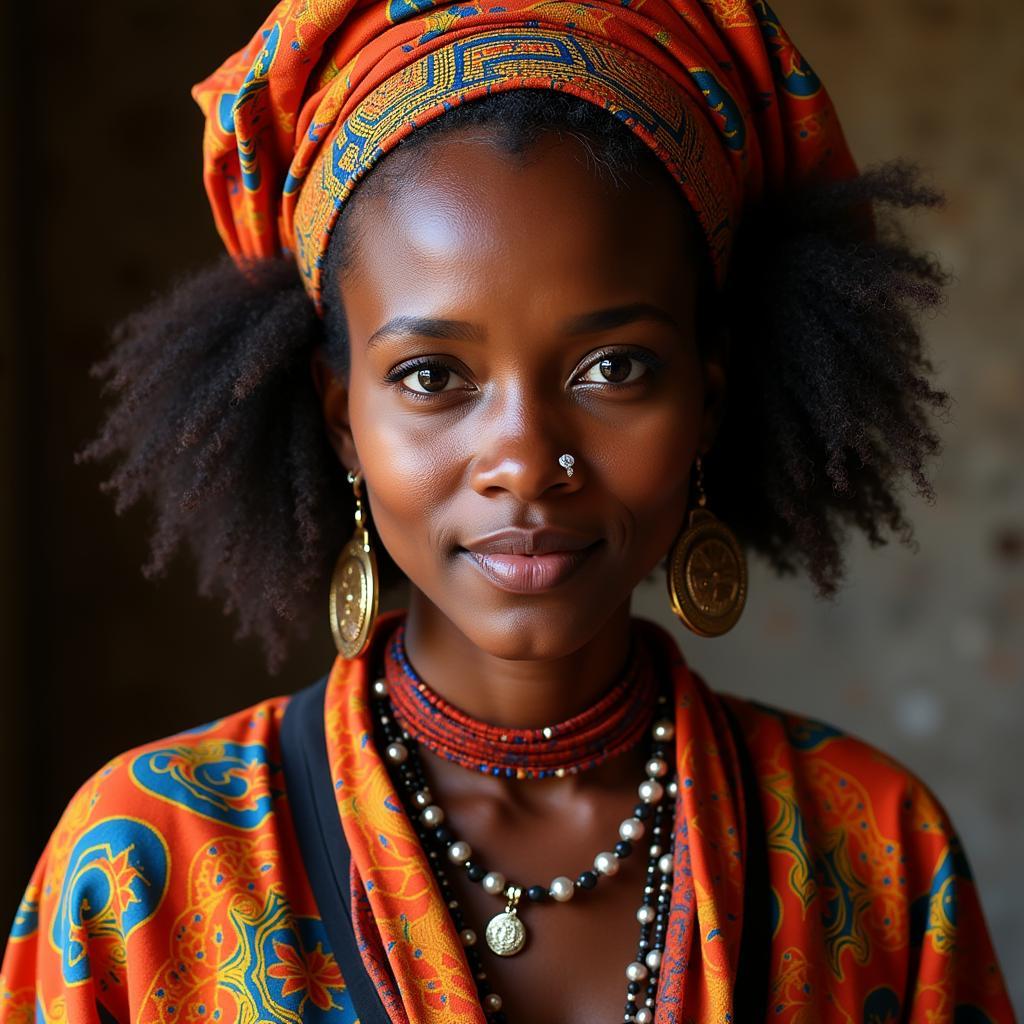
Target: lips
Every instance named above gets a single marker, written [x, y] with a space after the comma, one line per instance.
[529, 561]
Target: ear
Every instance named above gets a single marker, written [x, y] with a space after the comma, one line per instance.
[332, 390]
[714, 361]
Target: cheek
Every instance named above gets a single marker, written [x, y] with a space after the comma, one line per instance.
[412, 470]
[646, 468]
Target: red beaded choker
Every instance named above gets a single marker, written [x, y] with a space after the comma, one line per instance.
[610, 727]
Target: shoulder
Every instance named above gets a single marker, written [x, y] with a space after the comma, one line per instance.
[825, 758]
[175, 852]
[127, 839]
[865, 862]
[843, 813]
[835, 776]
[223, 773]
[135, 819]
[173, 871]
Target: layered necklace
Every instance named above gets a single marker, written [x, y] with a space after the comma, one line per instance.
[409, 714]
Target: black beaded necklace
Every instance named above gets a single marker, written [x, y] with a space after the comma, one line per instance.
[506, 934]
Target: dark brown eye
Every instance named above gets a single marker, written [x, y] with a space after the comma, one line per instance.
[617, 368]
[428, 379]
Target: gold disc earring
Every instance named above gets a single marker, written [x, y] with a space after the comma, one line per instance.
[354, 585]
[707, 571]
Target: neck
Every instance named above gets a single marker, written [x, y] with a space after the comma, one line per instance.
[524, 694]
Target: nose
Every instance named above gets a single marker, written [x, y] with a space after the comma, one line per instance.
[519, 452]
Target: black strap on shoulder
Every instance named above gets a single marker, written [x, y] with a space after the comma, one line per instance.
[750, 996]
[321, 838]
[105, 1016]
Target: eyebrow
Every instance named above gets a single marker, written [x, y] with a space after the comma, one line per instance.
[425, 327]
[618, 316]
[461, 330]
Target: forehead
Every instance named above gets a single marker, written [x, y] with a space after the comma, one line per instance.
[464, 216]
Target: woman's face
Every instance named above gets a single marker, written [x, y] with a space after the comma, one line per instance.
[502, 312]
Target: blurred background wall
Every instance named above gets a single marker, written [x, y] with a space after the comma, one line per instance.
[922, 654]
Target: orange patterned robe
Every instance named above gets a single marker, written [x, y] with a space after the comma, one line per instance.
[175, 886]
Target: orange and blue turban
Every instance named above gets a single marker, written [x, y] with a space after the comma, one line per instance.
[714, 87]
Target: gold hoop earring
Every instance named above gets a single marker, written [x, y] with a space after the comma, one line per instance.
[707, 571]
[355, 585]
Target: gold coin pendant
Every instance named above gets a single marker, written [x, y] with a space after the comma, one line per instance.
[505, 934]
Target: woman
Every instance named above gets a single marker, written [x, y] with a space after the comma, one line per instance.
[530, 350]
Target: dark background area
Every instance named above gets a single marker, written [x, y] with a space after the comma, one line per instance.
[105, 207]
[923, 654]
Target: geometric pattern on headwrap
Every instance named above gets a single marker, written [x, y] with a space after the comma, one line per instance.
[715, 88]
[520, 58]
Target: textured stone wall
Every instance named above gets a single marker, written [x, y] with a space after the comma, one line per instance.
[923, 654]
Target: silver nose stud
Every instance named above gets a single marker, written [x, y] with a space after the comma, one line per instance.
[566, 462]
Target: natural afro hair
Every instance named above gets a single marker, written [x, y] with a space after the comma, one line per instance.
[217, 421]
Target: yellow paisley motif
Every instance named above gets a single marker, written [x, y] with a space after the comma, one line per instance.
[731, 13]
[788, 836]
[873, 858]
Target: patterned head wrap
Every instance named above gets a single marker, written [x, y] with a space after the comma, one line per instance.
[326, 87]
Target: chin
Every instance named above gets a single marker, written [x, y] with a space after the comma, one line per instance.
[531, 629]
